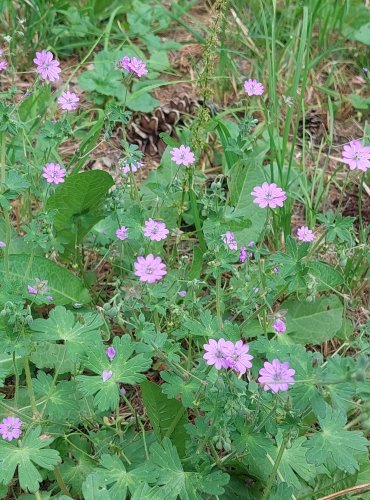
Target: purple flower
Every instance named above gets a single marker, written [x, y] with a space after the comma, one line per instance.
[131, 167]
[182, 156]
[253, 87]
[106, 375]
[3, 65]
[150, 269]
[181, 293]
[229, 240]
[68, 101]
[305, 234]
[155, 230]
[53, 173]
[356, 156]
[50, 298]
[268, 195]
[122, 233]
[276, 376]
[111, 352]
[122, 391]
[244, 254]
[10, 428]
[32, 290]
[133, 65]
[218, 352]
[47, 66]
[2, 244]
[276, 270]
[279, 325]
[239, 360]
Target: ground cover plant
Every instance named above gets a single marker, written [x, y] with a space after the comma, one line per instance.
[184, 260]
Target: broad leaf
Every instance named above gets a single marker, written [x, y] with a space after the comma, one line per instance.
[313, 322]
[61, 325]
[24, 454]
[64, 287]
[125, 370]
[178, 483]
[334, 446]
[167, 416]
[79, 201]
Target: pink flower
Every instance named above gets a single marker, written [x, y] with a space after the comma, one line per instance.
[305, 234]
[279, 325]
[106, 375]
[253, 87]
[47, 66]
[155, 230]
[68, 100]
[268, 195]
[244, 254]
[239, 360]
[111, 352]
[150, 269]
[131, 167]
[229, 240]
[182, 156]
[3, 65]
[133, 65]
[53, 173]
[217, 352]
[32, 290]
[10, 428]
[181, 293]
[122, 233]
[276, 376]
[276, 270]
[2, 244]
[356, 156]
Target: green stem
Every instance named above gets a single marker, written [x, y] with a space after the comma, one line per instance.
[16, 381]
[29, 385]
[218, 300]
[274, 469]
[37, 495]
[62, 486]
[2, 162]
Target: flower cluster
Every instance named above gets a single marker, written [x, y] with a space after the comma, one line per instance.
[68, 101]
[53, 173]
[356, 156]
[276, 376]
[182, 156]
[244, 254]
[150, 269]
[3, 62]
[131, 167]
[253, 87]
[155, 230]
[10, 428]
[229, 240]
[47, 66]
[224, 354]
[305, 234]
[133, 65]
[268, 195]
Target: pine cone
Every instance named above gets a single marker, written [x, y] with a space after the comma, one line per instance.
[144, 129]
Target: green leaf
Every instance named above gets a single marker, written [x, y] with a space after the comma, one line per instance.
[167, 416]
[176, 482]
[61, 325]
[327, 277]
[24, 454]
[313, 322]
[79, 201]
[60, 398]
[62, 285]
[334, 446]
[244, 176]
[119, 482]
[125, 370]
